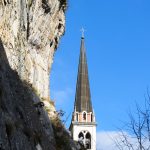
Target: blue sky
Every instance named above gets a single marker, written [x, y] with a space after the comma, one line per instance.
[117, 40]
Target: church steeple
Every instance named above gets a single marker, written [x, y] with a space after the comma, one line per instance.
[83, 96]
[83, 125]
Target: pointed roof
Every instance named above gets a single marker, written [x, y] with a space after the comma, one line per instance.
[83, 96]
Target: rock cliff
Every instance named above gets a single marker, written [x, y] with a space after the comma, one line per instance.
[30, 31]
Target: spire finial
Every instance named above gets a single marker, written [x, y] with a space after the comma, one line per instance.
[82, 32]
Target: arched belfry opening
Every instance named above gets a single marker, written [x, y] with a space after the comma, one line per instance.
[88, 141]
[81, 138]
[83, 125]
[84, 138]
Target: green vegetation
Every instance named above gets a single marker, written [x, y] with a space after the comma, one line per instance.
[61, 136]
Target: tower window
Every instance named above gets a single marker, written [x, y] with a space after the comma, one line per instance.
[84, 116]
[91, 117]
[76, 116]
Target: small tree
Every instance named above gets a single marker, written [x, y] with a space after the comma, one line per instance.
[136, 132]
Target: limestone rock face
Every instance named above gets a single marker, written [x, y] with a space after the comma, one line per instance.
[30, 31]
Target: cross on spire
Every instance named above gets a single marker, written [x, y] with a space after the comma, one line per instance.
[82, 32]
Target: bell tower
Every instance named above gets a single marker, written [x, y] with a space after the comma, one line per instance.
[83, 124]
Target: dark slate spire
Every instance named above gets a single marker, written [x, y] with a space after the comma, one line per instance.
[83, 96]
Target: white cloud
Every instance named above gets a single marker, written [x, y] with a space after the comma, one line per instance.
[105, 140]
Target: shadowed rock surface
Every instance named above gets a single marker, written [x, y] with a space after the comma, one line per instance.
[23, 126]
